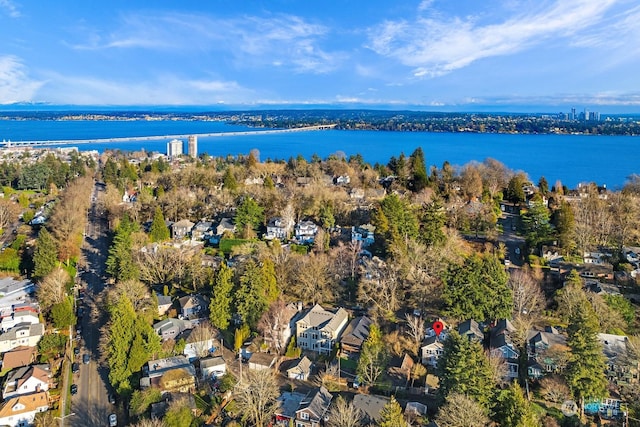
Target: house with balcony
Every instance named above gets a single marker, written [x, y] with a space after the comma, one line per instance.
[278, 228]
[305, 231]
[546, 352]
[619, 369]
[431, 350]
[19, 317]
[193, 306]
[318, 329]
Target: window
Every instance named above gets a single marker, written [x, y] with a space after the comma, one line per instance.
[304, 416]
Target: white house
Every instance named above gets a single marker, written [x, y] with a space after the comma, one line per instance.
[23, 334]
[305, 231]
[278, 228]
[27, 380]
[319, 329]
[18, 317]
[300, 369]
[212, 366]
[20, 411]
[431, 350]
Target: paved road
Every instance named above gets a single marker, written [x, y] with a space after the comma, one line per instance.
[91, 405]
[513, 242]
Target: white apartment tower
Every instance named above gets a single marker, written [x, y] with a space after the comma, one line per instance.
[174, 148]
[192, 146]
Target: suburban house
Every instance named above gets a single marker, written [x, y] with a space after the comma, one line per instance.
[27, 380]
[370, 405]
[194, 347]
[193, 306]
[260, 361]
[319, 329]
[299, 369]
[170, 328]
[225, 225]
[202, 230]
[617, 371]
[173, 374]
[164, 304]
[9, 287]
[354, 336]
[431, 350]
[181, 229]
[471, 329]
[212, 366]
[20, 356]
[278, 228]
[363, 234]
[544, 348]
[21, 410]
[305, 231]
[501, 345]
[18, 317]
[24, 334]
[304, 410]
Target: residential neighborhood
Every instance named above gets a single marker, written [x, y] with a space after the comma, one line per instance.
[292, 293]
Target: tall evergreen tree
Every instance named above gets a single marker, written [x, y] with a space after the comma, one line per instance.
[512, 409]
[121, 332]
[391, 415]
[249, 216]
[477, 289]
[159, 232]
[432, 224]
[464, 368]
[585, 373]
[120, 264]
[220, 305]
[251, 300]
[45, 256]
[419, 171]
[268, 270]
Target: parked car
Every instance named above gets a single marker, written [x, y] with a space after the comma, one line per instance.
[76, 350]
[75, 367]
[112, 398]
[86, 358]
[74, 388]
[113, 420]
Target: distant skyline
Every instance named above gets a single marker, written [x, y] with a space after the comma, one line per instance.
[437, 55]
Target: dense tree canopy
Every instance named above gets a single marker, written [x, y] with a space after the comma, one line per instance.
[477, 289]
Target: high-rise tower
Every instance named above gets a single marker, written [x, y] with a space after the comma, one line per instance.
[192, 146]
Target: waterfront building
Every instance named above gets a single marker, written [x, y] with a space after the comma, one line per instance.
[192, 146]
[174, 148]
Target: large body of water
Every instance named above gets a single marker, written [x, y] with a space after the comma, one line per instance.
[569, 158]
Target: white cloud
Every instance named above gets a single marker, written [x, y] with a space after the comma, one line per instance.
[15, 83]
[436, 45]
[163, 90]
[282, 40]
[9, 8]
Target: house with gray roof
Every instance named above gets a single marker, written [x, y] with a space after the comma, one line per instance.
[370, 405]
[313, 410]
[299, 369]
[181, 229]
[24, 334]
[170, 328]
[471, 329]
[501, 345]
[318, 329]
[354, 336]
[164, 304]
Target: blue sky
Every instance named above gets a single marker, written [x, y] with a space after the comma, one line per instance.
[426, 54]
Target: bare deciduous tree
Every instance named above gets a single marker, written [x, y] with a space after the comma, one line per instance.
[256, 397]
[554, 389]
[52, 288]
[201, 337]
[415, 329]
[149, 422]
[136, 291]
[343, 414]
[8, 212]
[461, 411]
[274, 324]
[528, 299]
[380, 286]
